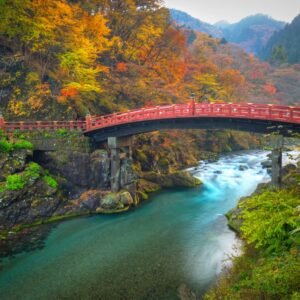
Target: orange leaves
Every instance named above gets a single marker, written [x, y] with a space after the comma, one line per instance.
[233, 77]
[69, 92]
[270, 89]
[121, 67]
[66, 94]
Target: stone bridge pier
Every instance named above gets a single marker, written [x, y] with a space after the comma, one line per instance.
[122, 175]
[277, 146]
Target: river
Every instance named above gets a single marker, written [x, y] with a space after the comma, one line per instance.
[175, 242]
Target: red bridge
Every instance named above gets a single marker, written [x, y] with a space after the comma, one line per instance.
[263, 118]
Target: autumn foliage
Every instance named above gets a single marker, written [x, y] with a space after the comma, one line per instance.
[63, 59]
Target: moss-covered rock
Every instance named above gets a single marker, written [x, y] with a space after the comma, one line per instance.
[175, 179]
[145, 187]
[234, 219]
[184, 179]
[115, 202]
[13, 162]
[148, 186]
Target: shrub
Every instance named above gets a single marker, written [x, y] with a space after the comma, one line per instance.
[269, 218]
[15, 182]
[5, 146]
[62, 132]
[33, 171]
[51, 181]
[22, 144]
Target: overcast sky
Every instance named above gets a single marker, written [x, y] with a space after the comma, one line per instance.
[212, 11]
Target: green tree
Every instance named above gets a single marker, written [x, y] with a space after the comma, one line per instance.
[278, 56]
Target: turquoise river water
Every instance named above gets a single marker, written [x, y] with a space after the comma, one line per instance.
[175, 242]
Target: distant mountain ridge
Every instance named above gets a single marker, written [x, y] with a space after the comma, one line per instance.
[287, 41]
[184, 19]
[251, 33]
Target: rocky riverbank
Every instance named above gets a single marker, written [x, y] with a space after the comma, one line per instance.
[72, 178]
[268, 221]
[31, 195]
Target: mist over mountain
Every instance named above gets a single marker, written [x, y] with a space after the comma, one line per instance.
[251, 33]
[222, 24]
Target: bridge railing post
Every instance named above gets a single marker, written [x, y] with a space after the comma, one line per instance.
[291, 113]
[2, 122]
[88, 121]
[193, 106]
[157, 111]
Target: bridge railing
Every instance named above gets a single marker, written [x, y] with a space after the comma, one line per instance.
[43, 125]
[225, 110]
[229, 110]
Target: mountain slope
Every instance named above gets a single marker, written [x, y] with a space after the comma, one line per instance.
[251, 33]
[284, 44]
[183, 19]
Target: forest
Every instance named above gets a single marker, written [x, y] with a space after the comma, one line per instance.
[62, 60]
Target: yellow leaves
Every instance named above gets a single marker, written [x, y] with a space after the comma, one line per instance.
[35, 103]
[32, 78]
[38, 98]
[17, 108]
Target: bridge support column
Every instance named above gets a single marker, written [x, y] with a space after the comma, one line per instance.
[119, 149]
[277, 145]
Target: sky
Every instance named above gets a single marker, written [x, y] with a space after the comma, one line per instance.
[212, 11]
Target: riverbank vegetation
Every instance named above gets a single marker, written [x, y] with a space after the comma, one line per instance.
[269, 223]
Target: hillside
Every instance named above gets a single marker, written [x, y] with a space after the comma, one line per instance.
[284, 45]
[251, 33]
[125, 61]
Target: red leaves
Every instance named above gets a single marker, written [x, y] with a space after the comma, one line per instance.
[69, 92]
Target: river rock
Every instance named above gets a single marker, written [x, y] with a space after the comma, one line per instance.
[243, 168]
[235, 220]
[177, 179]
[266, 164]
[184, 179]
[114, 202]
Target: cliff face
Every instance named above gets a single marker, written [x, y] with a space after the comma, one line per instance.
[27, 192]
[81, 176]
[29, 195]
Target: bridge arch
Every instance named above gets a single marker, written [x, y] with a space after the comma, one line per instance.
[255, 118]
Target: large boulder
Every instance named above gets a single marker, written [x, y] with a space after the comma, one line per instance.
[184, 179]
[177, 179]
[115, 202]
